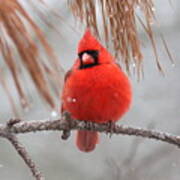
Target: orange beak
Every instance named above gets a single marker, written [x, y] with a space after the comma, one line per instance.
[87, 59]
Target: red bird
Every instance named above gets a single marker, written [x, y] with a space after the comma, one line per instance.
[95, 89]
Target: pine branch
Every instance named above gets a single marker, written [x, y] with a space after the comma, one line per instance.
[63, 125]
[21, 35]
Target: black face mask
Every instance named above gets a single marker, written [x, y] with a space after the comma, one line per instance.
[94, 54]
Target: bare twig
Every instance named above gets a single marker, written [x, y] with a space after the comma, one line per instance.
[24, 154]
[60, 125]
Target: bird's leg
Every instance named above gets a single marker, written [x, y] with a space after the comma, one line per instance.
[89, 125]
[67, 119]
[110, 128]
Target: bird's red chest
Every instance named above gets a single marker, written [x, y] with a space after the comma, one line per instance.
[99, 94]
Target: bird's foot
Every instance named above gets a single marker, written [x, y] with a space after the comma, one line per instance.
[66, 134]
[110, 128]
[66, 117]
[89, 125]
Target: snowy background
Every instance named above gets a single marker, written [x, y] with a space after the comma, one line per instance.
[156, 105]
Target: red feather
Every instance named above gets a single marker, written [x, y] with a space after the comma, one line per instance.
[86, 140]
[100, 94]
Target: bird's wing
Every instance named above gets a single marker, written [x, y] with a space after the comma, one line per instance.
[118, 65]
[67, 75]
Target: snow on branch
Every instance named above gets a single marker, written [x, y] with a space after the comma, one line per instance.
[67, 124]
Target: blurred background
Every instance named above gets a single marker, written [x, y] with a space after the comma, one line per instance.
[155, 106]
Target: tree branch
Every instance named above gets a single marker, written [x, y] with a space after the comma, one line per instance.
[25, 156]
[64, 125]
[6, 132]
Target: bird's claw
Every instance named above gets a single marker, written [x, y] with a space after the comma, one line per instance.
[89, 125]
[110, 128]
[66, 134]
[67, 118]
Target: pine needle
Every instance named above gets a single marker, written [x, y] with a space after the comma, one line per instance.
[120, 27]
[17, 36]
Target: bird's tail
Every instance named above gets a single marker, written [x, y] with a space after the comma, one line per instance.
[86, 140]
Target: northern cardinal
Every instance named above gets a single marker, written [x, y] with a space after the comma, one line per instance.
[95, 90]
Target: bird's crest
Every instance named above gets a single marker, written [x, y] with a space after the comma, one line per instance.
[88, 42]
